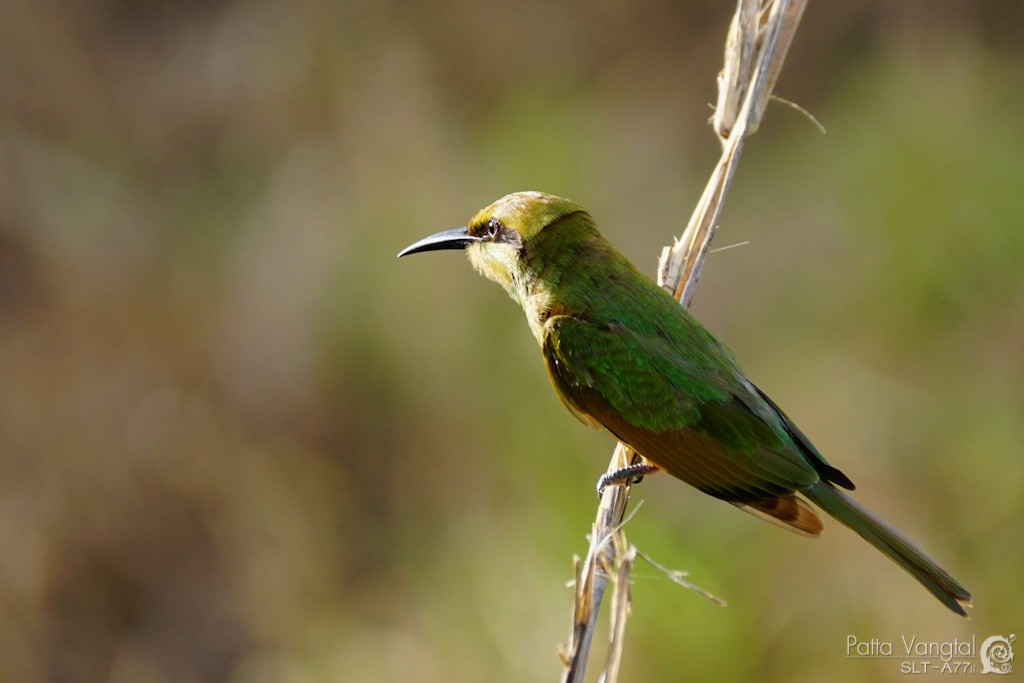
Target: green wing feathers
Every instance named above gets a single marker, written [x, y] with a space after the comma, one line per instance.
[690, 416]
[651, 389]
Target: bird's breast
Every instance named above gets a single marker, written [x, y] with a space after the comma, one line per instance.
[538, 305]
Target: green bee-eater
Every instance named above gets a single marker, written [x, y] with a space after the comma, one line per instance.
[623, 355]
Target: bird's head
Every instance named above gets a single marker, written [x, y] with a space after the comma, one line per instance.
[509, 241]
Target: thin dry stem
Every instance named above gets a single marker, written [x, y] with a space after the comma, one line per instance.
[756, 47]
[592, 577]
[677, 576]
[626, 556]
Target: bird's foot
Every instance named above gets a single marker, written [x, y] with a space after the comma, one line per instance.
[630, 474]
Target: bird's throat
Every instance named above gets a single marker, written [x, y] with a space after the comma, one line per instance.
[501, 264]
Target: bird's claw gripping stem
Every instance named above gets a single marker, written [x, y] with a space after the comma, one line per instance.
[630, 474]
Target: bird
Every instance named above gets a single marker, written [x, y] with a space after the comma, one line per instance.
[624, 356]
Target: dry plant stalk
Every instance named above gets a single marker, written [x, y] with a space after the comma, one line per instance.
[756, 46]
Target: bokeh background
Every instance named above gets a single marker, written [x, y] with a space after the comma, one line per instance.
[240, 442]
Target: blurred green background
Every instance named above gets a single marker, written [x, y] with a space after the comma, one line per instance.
[240, 442]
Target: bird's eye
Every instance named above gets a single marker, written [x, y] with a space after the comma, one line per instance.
[493, 228]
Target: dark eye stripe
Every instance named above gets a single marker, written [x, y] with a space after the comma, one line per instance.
[493, 230]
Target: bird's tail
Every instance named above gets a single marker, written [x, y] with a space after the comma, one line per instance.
[892, 544]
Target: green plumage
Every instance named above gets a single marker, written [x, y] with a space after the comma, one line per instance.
[624, 355]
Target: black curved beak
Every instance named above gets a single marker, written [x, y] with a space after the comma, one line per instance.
[456, 238]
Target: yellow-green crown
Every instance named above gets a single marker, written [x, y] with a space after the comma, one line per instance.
[525, 212]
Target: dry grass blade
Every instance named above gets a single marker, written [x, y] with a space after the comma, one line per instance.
[678, 577]
[757, 43]
[734, 79]
[680, 265]
[626, 556]
[759, 35]
[592, 579]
